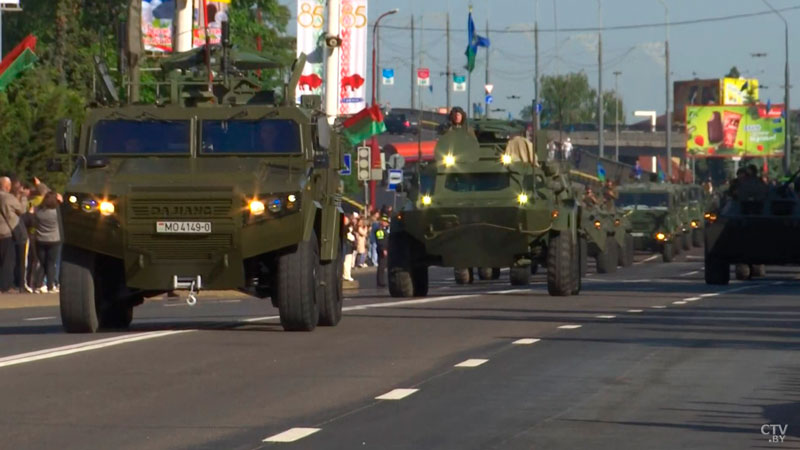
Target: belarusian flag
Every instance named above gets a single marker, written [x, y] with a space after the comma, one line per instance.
[20, 59]
[367, 123]
[474, 41]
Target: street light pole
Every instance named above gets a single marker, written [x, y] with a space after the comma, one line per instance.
[617, 73]
[788, 142]
[668, 115]
[375, 152]
[600, 80]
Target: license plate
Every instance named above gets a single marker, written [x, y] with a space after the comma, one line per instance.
[168, 226]
[637, 234]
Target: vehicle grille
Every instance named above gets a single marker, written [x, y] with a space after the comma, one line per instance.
[152, 208]
[180, 247]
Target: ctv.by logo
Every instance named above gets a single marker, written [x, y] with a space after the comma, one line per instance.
[776, 433]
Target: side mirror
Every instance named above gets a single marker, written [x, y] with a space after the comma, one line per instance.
[322, 160]
[55, 165]
[65, 137]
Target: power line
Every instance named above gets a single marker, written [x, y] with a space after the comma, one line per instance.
[616, 27]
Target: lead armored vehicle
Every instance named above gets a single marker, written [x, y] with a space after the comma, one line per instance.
[485, 206]
[655, 213]
[216, 187]
[756, 224]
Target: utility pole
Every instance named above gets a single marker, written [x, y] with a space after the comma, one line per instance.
[536, 100]
[488, 50]
[332, 65]
[183, 25]
[448, 75]
[668, 116]
[617, 73]
[787, 151]
[600, 107]
[413, 69]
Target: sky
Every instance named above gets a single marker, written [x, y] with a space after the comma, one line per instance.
[701, 50]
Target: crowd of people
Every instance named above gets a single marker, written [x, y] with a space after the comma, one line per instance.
[366, 242]
[30, 236]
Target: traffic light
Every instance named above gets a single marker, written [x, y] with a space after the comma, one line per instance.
[364, 163]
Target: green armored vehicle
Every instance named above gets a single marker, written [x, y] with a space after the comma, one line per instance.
[485, 206]
[698, 204]
[216, 188]
[756, 224]
[656, 217]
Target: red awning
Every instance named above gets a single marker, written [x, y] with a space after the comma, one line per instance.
[410, 150]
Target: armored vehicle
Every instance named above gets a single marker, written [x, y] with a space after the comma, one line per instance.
[485, 206]
[698, 204]
[217, 187]
[756, 224]
[655, 216]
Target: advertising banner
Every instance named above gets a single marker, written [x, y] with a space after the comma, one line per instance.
[738, 91]
[158, 16]
[423, 77]
[731, 130]
[694, 92]
[388, 77]
[459, 83]
[352, 56]
[310, 21]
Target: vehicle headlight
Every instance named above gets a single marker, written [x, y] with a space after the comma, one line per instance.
[106, 208]
[506, 159]
[695, 224]
[275, 206]
[89, 205]
[661, 236]
[426, 200]
[72, 199]
[522, 198]
[711, 217]
[449, 160]
[256, 207]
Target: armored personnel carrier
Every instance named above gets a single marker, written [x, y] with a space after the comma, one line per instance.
[656, 217]
[485, 206]
[698, 204]
[217, 187]
[756, 224]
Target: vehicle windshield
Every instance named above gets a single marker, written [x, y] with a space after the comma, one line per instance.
[141, 137]
[250, 136]
[643, 200]
[471, 182]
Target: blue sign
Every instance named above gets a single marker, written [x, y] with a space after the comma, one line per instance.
[388, 73]
[538, 108]
[347, 165]
[395, 178]
[489, 99]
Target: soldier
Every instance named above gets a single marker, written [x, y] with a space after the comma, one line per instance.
[610, 194]
[589, 199]
[382, 238]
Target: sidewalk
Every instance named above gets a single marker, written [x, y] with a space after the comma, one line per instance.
[14, 301]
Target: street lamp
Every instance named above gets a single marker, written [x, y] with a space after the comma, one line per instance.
[600, 108]
[788, 142]
[376, 152]
[668, 115]
[617, 73]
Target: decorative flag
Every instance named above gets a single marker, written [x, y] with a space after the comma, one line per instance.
[157, 17]
[388, 77]
[459, 83]
[661, 175]
[367, 123]
[19, 60]
[601, 172]
[474, 41]
[423, 77]
[310, 21]
[352, 57]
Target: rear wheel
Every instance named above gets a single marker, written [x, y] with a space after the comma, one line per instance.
[463, 275]
[485, 273]
[687, 240]
[717, 271]
[400, 283]
[758, 270]
[76, 297]
[496, 273]
[419, 281]
[576, 270]
[697, 237]
[584, 254]
[560, 262]
[295, 286]
[534, 268]
[520, 276]
[329, 292]
[626, 253]
[668, 252]
[742, 271]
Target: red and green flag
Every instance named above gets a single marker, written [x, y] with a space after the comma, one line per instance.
[367, 123]
[19, 60]
[474, 41]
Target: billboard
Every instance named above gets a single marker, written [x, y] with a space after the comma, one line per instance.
[716, 91]
[158, 15]
[735, 130]
[352, 57]
[310, 21]
[738, 91]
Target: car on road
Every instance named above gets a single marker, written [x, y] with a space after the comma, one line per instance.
[399, 124]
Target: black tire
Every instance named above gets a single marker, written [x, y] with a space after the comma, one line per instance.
[485, 273]
[463, 275]
[576, 270]
[400, 283]
[668, 252]
[534, 268]
[520, 276]
[697, 237]
[758, 270]
[560, 258]
[626, 253]
[687, 241]
[329, 292]
[607, 261]
[76, 297]
[717, 272]
[295, 286]
[419, 281]
[583, 248]
[496, 272]
[742, 271]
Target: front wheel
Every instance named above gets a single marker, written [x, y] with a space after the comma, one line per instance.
[520, 276]
[400, 283]
[485, 273]
[742, 272]
[607, 261]
[668, 252]
[77, 294]
[697, 237]
[717, 272]
[496, 272]
[295, 286]
[419, 280]
[758, 270]
[463, 275]
[687, 240]
[626, 253]
[329, 292]
[560, 260]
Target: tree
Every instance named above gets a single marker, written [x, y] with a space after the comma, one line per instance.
[733, 73]
[610, 109]
[567, 100]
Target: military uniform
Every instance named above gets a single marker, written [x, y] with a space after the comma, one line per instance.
[382, 240]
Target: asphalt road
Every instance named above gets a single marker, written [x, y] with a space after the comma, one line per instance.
[647, 358]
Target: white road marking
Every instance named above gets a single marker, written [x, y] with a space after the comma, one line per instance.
[471, 363]
[679, 302]
[569, 327]
[635, 310]
[230, 301]
[84, 347]
[525, 341]
[605, 316]
[291, 435]
[648, 259]
[396, 394]
[659, 307]
[711, 294]
[509, 291]
[694, 257]
[690, 273]
[692, 299]
[32, 319]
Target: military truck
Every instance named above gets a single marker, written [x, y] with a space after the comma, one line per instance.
[755, 225]
[216, 187]
[655, 216]
[485, 206]
[698, 203]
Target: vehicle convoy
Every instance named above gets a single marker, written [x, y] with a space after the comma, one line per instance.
[217, 188]
[698, 204]
[485, 206]
[656, 217]
[755, 225]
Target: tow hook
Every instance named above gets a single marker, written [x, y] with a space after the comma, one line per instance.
[193, 284]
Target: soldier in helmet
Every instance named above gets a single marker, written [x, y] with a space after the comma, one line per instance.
[382, 240]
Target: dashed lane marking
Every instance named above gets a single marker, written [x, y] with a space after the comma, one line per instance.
[605, 316]
[569, 327]
[525, 341]
[658, 307]
[648, 259]
[33, 319]
[688, 274]
[396, 394]
[509, 291]
[291, 435]
[692, 299]
[472, 363]
[635, 310]
[679, 302]
[710, 294]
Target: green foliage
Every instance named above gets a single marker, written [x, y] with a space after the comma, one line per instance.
[568, 100]
[733, 73]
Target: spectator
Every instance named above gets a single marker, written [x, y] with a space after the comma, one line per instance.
[348, 243]
[361, 243]
[10, 210]
[48, 238]
[567, 149]
[382, 236]
[373, 244]
[21, 239]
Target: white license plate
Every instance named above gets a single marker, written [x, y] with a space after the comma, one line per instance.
[637, 234]
[168, 226]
